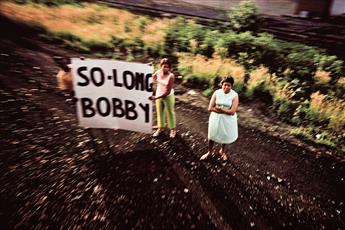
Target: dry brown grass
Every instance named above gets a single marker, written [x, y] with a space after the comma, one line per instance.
[90, 21]
[328, 109]
[212, 66]
[258, 76]
[282, 92]
[341, 82]
[322, 77]
[155, 31]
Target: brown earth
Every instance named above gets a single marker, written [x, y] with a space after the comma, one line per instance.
[56, 175]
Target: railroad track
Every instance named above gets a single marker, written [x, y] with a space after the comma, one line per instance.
[322, 34]
[216, 16]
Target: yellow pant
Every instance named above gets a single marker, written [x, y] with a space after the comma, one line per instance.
[165, 108]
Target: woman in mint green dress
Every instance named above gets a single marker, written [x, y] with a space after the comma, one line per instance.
[222, 126]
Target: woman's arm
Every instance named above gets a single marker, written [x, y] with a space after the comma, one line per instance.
[233, 108]
[212, 106]
[154, 79]
[154, 76]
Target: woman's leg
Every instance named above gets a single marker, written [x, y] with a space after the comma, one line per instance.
[210, 150]
[160, 117]
[169, 104]
[222, 152]
[210, 146]
[160, 113]
[222, 149]
[170, 113]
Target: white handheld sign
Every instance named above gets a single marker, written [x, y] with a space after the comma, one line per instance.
[113, 94]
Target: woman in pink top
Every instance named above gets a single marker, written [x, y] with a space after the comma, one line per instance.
[165, 98]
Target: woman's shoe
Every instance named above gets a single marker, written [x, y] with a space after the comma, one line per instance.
[158, 131]
[205, 156]
[172, 133]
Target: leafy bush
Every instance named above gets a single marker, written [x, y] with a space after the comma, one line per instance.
[330, 64]
[142, 24]
[267, 51]
[68, 39]
[283, 94]
[179, 34]
[316, 135]
[98, 46]
[208, 45]
[283, 107]
[301, 64]
[300, 114]
[127, 27]
[197, 81]
[327, 112]
[127, 47]
[136, 46]
[185, 70]
[208, 92]
[154, 50]
[244, 17]
[235, 43]
[258, 82]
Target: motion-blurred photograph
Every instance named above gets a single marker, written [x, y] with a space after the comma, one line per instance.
[185, 114]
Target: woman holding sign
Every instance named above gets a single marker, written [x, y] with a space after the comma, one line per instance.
[222, 125]
[64, 76]
[165, 98]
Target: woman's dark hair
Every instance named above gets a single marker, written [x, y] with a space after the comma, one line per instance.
[165, 61]
[228, 79]
[62, 62]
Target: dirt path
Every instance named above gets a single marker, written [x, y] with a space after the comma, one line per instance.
[55, 174]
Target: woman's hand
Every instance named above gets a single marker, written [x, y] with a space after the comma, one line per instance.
[216, 109]
[219, 109]
[226, 111]
[152, 98]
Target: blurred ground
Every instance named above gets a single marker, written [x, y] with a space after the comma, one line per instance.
[55, 174]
